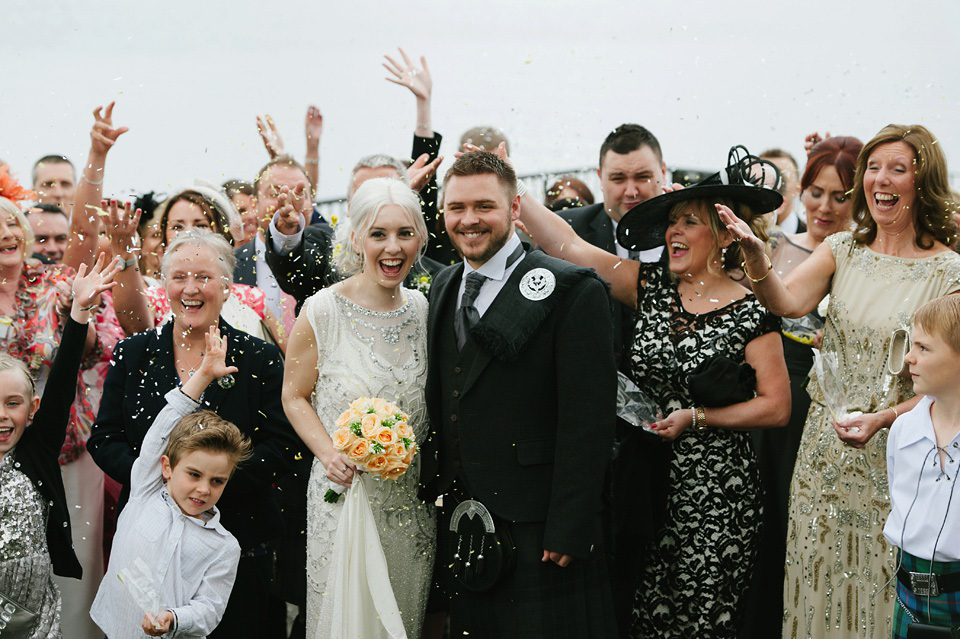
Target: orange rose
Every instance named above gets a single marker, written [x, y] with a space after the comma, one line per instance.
[369, 426]
[385, 436]
[359, 451]
[379, 405]
[343, 439]
[395, 473]
[360, 405]
[397, 451]
[377, 463]
[404, 430]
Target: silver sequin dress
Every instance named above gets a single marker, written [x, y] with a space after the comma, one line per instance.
[26, 573]
[364, 353]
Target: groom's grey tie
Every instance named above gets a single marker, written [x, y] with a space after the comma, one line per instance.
[468, 315]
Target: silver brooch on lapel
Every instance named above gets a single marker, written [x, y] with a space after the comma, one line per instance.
[226, 382]
[538, 284]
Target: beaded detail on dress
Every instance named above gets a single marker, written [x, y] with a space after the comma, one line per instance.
[837, 557]
[26, 573]
[365, 353]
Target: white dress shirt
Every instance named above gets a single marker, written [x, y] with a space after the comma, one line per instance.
[648, 255]
[496, 270]
[266, 281]
[193, 561]
[912, 455]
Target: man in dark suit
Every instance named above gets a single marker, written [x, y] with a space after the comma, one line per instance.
[631, 171]
[521, 392]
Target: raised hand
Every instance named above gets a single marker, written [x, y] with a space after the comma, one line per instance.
[122, 226]
[313, 126]
[418, 80]
[420, 171]
[750, 244]
[290, 206]
[214, 359]
[87, 287]
[104, 135]
[270, 136]
[501, 151]
[812, 140]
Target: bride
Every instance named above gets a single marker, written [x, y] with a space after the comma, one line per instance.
[366, 337]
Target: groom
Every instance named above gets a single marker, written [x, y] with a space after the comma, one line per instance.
[521, 392]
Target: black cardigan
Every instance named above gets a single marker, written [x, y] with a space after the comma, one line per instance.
[37, 453]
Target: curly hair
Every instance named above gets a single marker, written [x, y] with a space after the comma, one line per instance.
[935, 203]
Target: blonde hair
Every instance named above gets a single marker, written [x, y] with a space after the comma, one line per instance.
[365, 205]
[207, 431]
[941, 317]
[10, 363]
[9, 207]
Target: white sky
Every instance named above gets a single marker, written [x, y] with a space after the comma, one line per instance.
[190, 77]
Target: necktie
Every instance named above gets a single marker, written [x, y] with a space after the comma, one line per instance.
[468, 315]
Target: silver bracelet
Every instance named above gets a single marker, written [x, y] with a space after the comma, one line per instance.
[693, 411]
[312, 161]
[521, 188]
[93, 182]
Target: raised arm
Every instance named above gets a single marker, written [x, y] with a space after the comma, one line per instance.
[802, 289]
[53, 415]
[419, 82]
[314, 129]
[85, 222]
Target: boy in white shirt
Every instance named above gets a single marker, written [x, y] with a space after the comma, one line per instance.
[171, 522]
[923, 460]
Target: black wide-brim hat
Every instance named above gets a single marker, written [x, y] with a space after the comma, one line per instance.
[645, 226]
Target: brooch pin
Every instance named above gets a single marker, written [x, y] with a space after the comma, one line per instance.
[538, 284]
[226, 382]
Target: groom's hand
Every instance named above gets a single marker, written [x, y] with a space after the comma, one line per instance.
[561, 560]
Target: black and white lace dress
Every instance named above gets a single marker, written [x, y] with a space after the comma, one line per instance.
[699, 564]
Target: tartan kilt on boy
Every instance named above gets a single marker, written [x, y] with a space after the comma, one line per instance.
[943, 610]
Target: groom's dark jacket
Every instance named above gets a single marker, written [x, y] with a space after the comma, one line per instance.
[524, 415]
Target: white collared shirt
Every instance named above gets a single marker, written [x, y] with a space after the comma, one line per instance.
[496, 270]
[911, 455]
[193, 561]
[266, 281]
[648, 255]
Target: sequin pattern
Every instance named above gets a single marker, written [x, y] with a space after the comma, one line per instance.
[837, 558]
[26, 574]
[364, 353]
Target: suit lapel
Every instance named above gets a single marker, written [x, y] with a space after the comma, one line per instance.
[603, 231]
[445, 284]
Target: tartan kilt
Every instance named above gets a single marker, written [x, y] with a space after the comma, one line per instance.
[944, 609]
[537, 599]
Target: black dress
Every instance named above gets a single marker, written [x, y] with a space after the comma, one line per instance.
[700, 562]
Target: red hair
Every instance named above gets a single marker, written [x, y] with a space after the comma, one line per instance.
[839, 152]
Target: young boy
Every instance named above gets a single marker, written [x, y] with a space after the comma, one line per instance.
[171, 523]
[923, 460]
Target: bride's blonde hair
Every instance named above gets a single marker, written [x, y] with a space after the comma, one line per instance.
[365, 205]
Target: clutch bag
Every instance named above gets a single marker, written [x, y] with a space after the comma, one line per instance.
[15, 620]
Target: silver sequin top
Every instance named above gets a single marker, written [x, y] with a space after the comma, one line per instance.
[26, 573]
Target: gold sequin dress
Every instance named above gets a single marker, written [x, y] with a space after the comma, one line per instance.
[837, 558]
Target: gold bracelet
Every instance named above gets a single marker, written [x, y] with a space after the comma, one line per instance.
[743, 266]
[896, 413]
[701, 420]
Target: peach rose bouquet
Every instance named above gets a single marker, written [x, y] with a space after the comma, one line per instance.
[376, 436]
